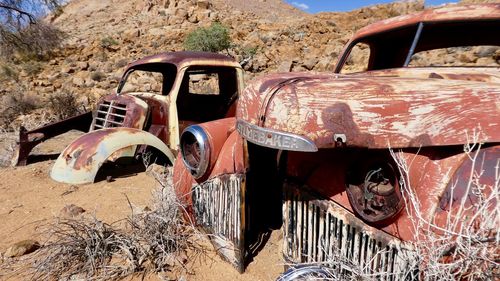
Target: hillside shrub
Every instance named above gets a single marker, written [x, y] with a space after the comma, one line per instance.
[8, 73]
[97, 76]
[214, 38]
[107, 42]
[32, 67]
[65, 105]
[15, 104]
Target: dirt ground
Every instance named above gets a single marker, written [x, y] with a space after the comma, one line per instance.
[29, 197]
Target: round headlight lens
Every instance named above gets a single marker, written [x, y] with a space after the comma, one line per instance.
[195, 150]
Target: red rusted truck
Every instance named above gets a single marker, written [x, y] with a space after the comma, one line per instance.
[158, 96]
[320, 154]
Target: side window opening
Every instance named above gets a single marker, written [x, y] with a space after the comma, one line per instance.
[206, 93]
[358, 59]
[204, 84]
[458, 56]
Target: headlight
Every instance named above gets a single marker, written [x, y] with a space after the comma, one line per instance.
[373, 191]
[195, 150]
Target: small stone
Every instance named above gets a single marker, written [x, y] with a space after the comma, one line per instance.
[22, 248]
[203, 4]
[77, 81]
[71, 211]
[285, 66]
[67, 69]
[82, 65]
[310, 63]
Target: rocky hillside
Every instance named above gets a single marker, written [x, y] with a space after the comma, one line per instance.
[104, 35]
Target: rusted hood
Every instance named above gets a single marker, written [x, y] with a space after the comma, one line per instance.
[373, 111]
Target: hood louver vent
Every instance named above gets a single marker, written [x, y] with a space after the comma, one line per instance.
[109, 114]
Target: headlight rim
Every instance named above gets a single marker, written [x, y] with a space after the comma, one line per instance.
[201, 136]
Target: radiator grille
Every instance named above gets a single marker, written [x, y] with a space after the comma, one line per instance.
[219, 211]
[320, 231]
[109, 114]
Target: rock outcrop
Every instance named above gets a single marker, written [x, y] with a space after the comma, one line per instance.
[103, 36]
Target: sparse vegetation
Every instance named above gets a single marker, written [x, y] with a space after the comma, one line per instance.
[107, 42]
[16, 104]
[97, 76]
[466, 247]
[247, 53]
[65, 105]
[208, 39]
[32, 67]
[21, 33]
[155, 240]
[8, 73]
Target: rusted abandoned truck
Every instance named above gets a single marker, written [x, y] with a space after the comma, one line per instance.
[311, 152]
[174, 90]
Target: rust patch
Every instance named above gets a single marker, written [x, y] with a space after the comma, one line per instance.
[184, 59]
[375, 111]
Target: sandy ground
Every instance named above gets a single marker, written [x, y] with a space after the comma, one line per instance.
[29, 197]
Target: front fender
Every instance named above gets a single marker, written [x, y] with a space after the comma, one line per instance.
[80, 161]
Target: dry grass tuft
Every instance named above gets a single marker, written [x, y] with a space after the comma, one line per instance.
[85, 248]
[466, 248]
[65, 105]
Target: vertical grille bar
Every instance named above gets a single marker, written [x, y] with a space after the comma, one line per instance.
[217, 209]
[317, 230]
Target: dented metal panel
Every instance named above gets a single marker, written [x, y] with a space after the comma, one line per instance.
[483, 74]
[373, 111]
[81, 160]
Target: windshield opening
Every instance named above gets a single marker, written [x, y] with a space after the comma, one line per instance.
[157, 78]
[390, 49]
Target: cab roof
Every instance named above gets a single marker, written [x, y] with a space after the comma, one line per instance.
[445, 14]
[187, 58]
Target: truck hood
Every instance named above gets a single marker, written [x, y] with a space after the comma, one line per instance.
[374, 110]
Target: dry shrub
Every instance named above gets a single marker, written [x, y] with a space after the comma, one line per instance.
[7, 72]
[32, 67]
[97, 76]
[156, 241]
[466, 248]
[83, 249]
[15, 104]
[65, 105]
[33, 42]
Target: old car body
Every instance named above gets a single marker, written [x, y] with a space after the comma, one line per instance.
[126, 123]
[324, 140]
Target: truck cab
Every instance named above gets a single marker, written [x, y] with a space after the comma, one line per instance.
[157, 97]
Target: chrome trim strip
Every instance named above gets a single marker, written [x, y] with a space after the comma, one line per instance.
[274, 139]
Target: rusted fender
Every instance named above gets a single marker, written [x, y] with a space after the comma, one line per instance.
[80, 161]
[228, 157]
